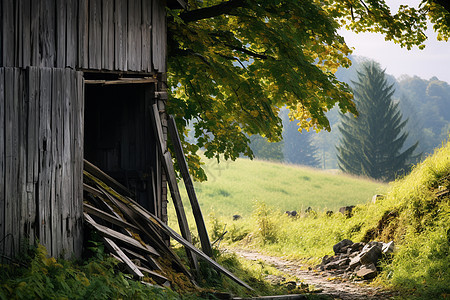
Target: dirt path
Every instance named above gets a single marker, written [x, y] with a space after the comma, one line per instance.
[336, 288]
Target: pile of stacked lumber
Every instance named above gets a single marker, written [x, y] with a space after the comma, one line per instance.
[133, 235]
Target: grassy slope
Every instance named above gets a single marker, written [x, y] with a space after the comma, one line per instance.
[411, 214]
[232, 188]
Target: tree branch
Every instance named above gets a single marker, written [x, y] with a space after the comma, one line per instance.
[246, 51]
[212, 11]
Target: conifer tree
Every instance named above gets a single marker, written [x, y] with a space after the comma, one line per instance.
[371, 143]
[298, 147]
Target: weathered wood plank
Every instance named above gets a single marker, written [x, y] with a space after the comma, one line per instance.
[67, 200]
[92, 169]
[26, 33]
[71, 33]
[1, 45]
[32, 150]
[131, 267]
[2, 155]
[146, 36]
[83, 34]
[61, 19]
[45, 158]
[8, 10]
[107, 217]
[22, 155]
[109, 233]
[159, 36]
[191, 247]
[144, 259]
[47, 43]
[121, 81]
[172, 181]
[78, 118]
[120, 35]
[134, 35]
[108, 34]
[56, 163]
[95, 34]
[12, 217]
[134, 212]
[157, 277]
[197, 212]
[35, 32]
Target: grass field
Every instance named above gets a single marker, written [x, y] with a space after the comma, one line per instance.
[233, 187]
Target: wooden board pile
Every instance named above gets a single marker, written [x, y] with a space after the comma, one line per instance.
[135, 236]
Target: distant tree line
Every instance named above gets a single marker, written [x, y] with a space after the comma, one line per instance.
[426, 103]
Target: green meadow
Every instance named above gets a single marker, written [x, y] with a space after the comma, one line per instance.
[234, 186]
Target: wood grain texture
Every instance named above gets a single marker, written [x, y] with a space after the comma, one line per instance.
[2, 155]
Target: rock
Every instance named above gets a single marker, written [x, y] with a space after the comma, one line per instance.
[354, 262]
[347, 210]
[338, 248]
[370, 253]
[388, 247]
[293, 213]
[326, 259]
[355, 247]
[368, 271]
[236, 217]
[329, 213]
[308, 210]
[337, 264]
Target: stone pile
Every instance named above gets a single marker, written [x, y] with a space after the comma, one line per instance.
[355, 259]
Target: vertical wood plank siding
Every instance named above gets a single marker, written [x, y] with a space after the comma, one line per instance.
[41, 111]
[113, 35]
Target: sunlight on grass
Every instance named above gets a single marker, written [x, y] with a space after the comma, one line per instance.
[233, 186]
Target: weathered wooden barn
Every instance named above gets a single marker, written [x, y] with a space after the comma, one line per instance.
[77, 80]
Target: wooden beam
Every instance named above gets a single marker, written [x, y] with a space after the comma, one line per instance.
[191, 247]
[92, 169]
[157, 277]
[173, 185]
[107, 232]
[107, 217]
[201, 228]
[91, 190]
[122, 81]
[131, 267]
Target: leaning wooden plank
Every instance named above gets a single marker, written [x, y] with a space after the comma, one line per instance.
[107, 232]
[172, 180]
[134, 212]
[202, 232]
[157, 277]
[131, 267]
[107, 217]
[91, 190]
[187, 244]
[145, 259]
[90, 168]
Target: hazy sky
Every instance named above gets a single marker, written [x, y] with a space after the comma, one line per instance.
[434, 60]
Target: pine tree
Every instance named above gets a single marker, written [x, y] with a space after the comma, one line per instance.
[298, 147]
[371, 143]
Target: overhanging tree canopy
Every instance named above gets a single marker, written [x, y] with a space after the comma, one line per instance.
[234, 64]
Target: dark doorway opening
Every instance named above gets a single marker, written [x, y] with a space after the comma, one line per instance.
[119, 138]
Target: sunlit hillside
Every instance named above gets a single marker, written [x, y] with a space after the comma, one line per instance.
[233, 187]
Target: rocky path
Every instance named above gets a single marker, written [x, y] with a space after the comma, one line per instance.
[323, 281]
